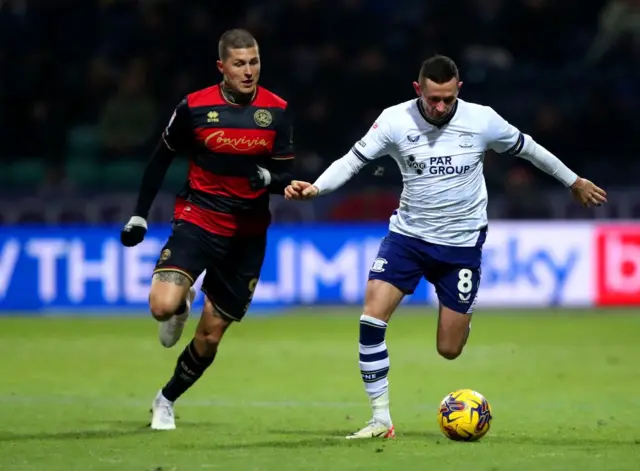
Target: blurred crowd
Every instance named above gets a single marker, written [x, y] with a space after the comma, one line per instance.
[88, 83]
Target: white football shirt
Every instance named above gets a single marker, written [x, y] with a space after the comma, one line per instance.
[444, 199]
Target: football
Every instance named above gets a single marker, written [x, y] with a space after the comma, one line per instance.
[464, 415]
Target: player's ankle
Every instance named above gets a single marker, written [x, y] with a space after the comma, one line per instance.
[189, 368]
[380, 399]
[162, 397]
[380, 408]
[383, 416]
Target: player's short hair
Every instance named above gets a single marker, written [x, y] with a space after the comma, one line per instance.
[235, 39]
[438, 69]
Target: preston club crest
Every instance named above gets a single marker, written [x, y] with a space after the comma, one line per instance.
[466, 140]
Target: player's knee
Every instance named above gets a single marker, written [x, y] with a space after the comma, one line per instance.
[449, 351]
[169, 295]
[162, 312]
[211, 328]
[209, 336]
[376, 313]
[381, 299]
[163, 308]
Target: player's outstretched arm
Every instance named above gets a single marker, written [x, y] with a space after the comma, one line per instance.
[505, 138]
[377, 143]
[583, 190]
[174, 137]
[336, 175]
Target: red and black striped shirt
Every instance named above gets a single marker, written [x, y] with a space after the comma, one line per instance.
[225, 144]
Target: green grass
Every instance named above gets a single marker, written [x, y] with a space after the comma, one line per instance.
[75, 395]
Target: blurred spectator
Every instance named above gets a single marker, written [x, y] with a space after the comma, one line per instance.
[129, 118]
[93, 92]
[619, 21]
[524, 199]
[56, 184]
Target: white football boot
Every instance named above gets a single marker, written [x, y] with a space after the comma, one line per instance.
[162, 417]
[170, 331]
[374, 429]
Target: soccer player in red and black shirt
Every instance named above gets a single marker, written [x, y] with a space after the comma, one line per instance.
[239, 139]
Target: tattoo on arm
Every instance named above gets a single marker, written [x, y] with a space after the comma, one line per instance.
[174, 277]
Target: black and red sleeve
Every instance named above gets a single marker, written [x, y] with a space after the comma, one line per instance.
[176, 138]
[281, 162]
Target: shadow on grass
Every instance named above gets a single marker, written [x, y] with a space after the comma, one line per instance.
[117, 429]
[296, 438]
[432, 438]
[72, 435]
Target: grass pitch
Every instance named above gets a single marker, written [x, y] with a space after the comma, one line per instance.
[283, 392]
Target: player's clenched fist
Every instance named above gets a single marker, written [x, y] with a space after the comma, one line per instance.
[299, 190]
[587, 193]
[133, 232]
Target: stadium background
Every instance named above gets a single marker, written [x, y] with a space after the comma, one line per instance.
[85, 96]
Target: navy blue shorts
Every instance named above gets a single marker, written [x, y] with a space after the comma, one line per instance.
[454, 271]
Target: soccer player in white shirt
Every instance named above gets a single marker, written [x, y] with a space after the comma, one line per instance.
[438, 230]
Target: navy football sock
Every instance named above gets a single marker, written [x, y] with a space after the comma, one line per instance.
[189, 368]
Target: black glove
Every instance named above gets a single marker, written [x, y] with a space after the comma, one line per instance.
[259, 179]
[133, 232]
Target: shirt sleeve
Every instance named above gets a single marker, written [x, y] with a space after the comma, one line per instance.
[501, 136]
[283, 148]
[339, 173]
[178, 135]
[505, 138]
[378, 141]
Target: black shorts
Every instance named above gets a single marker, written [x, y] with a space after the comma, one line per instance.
[233, 265]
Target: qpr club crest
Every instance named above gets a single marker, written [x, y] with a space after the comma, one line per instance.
[262, 118]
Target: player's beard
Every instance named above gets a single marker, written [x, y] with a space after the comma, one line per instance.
[235, 96]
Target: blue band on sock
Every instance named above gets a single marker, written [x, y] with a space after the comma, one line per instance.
[370, 334]
[374, 356]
